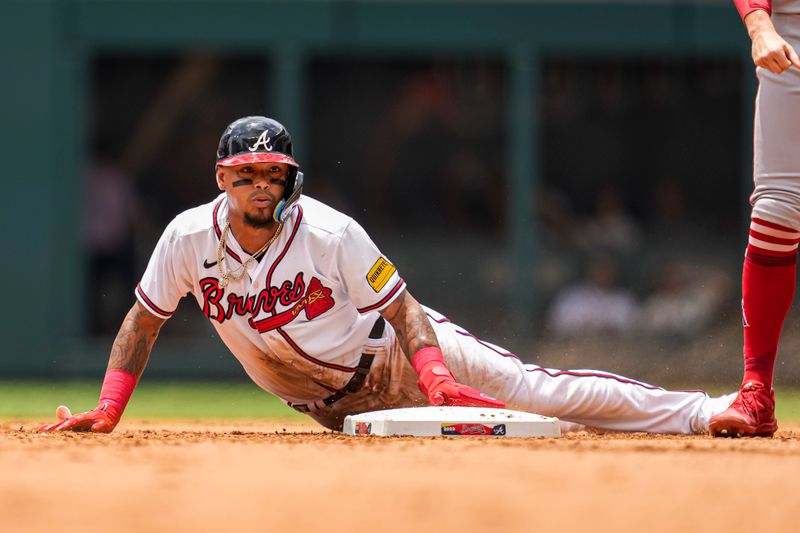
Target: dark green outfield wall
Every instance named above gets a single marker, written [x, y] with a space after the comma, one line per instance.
[45, 49]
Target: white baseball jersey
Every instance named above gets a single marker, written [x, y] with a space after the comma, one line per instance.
[300, 321]
[322, 271]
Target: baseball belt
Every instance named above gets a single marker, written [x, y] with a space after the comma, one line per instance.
[360, 375]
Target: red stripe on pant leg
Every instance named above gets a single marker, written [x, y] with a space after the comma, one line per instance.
[773, 225]
[486, 345]
[573, 373]
[774, 240]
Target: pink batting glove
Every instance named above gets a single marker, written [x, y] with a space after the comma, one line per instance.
[117, 388]
[439, 385]
[103, 419]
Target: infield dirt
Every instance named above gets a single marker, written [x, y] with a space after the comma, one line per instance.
[247, 476]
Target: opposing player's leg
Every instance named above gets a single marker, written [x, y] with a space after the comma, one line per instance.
[768, 287]
[769, 271]
[586, 397]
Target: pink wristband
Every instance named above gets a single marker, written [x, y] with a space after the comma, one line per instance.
[117, 388]
[426, 355]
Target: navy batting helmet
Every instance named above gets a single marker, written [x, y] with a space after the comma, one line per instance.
[262, 140]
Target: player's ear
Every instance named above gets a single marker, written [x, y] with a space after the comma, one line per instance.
[220, 175]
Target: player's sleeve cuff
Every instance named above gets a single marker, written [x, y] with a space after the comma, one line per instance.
[745, 7]
[386, 300]
[150, 306]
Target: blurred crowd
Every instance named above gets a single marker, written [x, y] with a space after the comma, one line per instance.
[629, 207]
[607, 273]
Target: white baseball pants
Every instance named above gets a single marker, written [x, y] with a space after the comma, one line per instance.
[578, 398]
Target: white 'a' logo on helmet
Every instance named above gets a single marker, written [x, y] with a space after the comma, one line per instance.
[262, 140]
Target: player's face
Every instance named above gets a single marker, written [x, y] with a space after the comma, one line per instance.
[253, 190]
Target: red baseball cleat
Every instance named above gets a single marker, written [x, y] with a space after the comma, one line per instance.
[752, 414]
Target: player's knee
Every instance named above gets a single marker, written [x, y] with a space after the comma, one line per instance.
[782, 211]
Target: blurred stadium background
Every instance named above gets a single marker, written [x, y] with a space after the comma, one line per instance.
[566, 178]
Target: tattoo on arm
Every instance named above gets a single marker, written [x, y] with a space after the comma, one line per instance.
[131, 348]
[411, 324]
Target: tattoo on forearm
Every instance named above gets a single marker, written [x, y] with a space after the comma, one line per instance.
[131, 348]
[411, 325]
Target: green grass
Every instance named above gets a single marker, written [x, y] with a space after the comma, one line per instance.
[788, 405]
[198, 400]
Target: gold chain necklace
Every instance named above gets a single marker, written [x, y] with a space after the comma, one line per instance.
[239, 273]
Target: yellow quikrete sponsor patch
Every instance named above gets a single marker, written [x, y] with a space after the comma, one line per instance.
[379, 274]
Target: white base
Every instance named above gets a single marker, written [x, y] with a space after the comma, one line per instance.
[452, 421]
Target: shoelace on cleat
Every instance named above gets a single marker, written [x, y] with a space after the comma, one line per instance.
[747, 399]
[749, 402]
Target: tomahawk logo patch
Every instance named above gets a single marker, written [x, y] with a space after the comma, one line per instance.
[318, 299]
[380, 273]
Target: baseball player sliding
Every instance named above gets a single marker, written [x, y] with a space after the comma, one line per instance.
[318, 316]
[770, 264]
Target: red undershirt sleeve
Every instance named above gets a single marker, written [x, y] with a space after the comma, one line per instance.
[745, 7]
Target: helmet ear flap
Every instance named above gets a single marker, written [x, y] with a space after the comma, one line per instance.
[283, 208]
[279, 211]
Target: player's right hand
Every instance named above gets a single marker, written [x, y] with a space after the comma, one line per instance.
[102, 419]
[439, 385]
[451, 392]
[772, 52]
